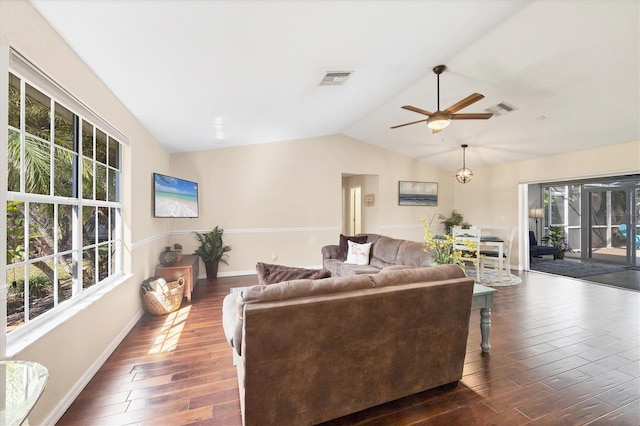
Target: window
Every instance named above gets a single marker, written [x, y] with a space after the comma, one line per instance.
[63, 206]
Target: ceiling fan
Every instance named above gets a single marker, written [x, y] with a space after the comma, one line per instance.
[440, 119]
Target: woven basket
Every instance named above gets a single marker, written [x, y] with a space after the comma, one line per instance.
[165, 299]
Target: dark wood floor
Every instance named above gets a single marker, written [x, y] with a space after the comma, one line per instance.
[564, 351]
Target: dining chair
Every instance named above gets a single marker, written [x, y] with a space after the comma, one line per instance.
[467, 241]
[491, 257]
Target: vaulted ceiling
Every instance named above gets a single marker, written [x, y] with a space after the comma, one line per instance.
[213, 74]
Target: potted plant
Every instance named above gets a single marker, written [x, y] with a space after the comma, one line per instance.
[456, 219]
[557, 239]
[212, 251]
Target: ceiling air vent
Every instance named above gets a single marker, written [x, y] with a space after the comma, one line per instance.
[502, 108]
[335, 78]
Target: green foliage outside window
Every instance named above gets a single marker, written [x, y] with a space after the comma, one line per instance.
[45, 151]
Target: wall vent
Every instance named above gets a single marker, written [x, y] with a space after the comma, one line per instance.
[502, 108]
[335, 78]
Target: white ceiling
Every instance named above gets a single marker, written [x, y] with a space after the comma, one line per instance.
[212, 74]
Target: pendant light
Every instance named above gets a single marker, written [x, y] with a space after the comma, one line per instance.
[464, 175]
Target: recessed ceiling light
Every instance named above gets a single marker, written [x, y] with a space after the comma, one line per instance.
[335, 78]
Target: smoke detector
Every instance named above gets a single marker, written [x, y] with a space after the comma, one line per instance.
[335, 78]
[502, 108]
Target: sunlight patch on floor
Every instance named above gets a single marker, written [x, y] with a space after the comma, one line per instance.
[169, 334]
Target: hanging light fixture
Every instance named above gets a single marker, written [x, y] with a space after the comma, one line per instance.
[439, 120]
[464, 175]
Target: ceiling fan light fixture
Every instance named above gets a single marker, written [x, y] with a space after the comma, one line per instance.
[464, 175]
[438, 121]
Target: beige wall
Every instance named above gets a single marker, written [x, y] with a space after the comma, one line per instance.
[496, 188]
[285, 198]
[72, 349]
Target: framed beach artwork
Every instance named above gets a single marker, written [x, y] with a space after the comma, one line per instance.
[411, 193]
[174, 197]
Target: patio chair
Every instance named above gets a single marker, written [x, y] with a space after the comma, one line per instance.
[538, 251]
[623, 230]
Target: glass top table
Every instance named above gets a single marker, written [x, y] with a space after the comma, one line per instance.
[24, 382]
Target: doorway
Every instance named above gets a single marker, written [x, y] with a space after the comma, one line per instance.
[359, 207]
[611, 233]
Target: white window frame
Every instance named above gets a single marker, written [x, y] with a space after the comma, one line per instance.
[13, 62]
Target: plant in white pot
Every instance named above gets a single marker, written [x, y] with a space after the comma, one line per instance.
[212, 251]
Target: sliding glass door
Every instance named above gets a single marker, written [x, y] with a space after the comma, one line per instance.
[600, 218]
[611, 229]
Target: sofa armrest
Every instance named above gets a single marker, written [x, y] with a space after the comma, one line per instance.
[330, 252]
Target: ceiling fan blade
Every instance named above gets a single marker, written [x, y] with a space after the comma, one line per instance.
[477, 116]
[407, 124]
[418, 110]
[475, 97]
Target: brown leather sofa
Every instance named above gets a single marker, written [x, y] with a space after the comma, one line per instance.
[308, 351]
[385, 251]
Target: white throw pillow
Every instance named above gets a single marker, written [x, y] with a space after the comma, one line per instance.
[358, 254]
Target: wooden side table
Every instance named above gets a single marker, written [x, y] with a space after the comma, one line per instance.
[187, 268]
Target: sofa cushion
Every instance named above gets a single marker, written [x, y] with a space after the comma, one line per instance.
[305, 288]
[343, 246]
[371, 238]
[271, 274]
[332, 265]
[344, 269]
[393, 276]
[412, 253]
[386, 250]
[358, 254]
[291, 290]
[378, 263]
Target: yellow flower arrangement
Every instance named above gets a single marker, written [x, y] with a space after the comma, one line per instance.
[443, 247]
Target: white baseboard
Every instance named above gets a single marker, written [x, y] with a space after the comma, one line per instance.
[64, 404]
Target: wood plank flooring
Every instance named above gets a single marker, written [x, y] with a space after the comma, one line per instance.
[564, 352]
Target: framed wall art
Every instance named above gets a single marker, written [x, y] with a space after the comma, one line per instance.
[411, 193]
